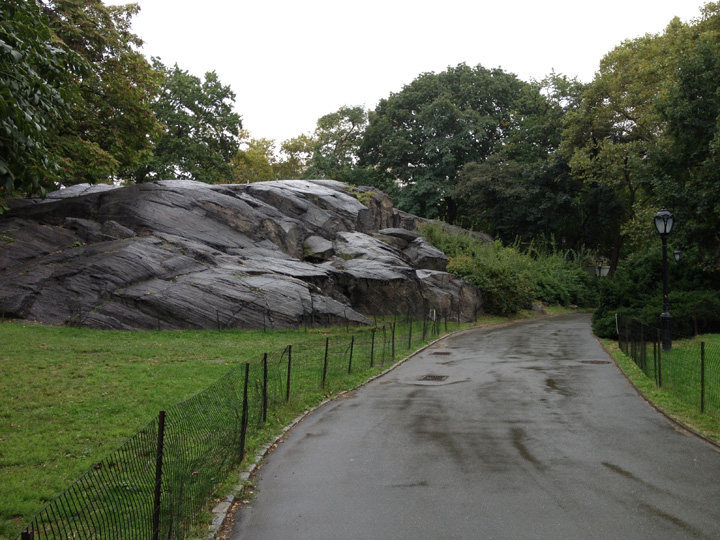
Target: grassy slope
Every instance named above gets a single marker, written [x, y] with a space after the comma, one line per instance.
[676, 406]
[69, 396]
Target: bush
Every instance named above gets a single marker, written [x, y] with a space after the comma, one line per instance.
[511, 278]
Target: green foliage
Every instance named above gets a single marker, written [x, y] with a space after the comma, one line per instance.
[107, 133]
[255, 162]
[636, 291]
[35, 71]
[295, 154]
[421, 136]
[510, 278]
[336, 142]
[687, 160]
[200, 133]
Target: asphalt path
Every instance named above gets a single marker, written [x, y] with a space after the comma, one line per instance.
[533, 433]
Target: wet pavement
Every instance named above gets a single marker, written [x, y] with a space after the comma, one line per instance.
[525, 431]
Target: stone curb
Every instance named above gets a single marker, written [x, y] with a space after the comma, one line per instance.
[222, 510]
[678, 423]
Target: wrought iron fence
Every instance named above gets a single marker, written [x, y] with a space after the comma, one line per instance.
[157, 482]
[690, 369]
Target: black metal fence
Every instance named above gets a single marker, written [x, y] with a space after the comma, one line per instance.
[690, 370]
[157, 482]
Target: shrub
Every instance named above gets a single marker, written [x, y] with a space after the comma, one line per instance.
[510, 277]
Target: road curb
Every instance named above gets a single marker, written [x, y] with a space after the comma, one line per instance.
[678, 423]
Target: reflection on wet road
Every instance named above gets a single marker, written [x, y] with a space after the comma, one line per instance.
[526, 431]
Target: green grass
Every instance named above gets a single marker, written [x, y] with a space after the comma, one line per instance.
[70, 396]
[679, 395]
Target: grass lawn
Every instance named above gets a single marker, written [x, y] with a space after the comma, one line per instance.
[679, 396]
[69, 396]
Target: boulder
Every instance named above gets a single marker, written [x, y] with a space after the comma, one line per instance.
[183, 254]
[424, 255]
[317, 248]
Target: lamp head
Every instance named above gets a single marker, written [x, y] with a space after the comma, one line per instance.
[664, 221]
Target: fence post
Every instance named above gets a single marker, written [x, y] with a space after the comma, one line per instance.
[642, 344]
[287, 391]
[372, 349]
[244, 417]
[659, 358]
[655, 360]
[264, 394]
[325, 362]
[627, 337]
[382, 358]
[352, 346]
[410, 335]
[425, 319]
[158, 475]
[393, 341]
[27, 535]
[702, 377]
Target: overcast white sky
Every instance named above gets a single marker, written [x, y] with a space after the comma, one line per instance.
[292, 61]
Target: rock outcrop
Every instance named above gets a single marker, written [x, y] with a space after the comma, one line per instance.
[181, 254]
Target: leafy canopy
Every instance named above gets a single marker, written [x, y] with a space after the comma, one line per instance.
[200, 134]
[106, 134]
[35, 74]
[421, 136]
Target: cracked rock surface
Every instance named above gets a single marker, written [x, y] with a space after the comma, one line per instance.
[182, 254]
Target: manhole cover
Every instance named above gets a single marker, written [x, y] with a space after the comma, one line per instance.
[444, 353]
[432, 378]
[594, 362]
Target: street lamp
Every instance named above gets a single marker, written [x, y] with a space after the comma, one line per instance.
[677, 254]
[664, 221]
[599, 268]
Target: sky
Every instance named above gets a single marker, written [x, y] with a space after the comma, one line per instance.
[290, 62]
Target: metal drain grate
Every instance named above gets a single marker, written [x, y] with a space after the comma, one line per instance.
[432, 378]
[595, 362]
[443, 353]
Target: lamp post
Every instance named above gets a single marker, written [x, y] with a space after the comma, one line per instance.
[664, 221]
[677, 254]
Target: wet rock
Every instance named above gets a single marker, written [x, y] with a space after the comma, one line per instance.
[424, 255]
[317, 248]
[183, 254]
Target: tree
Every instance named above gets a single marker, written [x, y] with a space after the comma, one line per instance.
[337, 141]
[200, 132]
[106, 135]
[35, 70]
[422, 136]
[523, 188]
[687, 157]
[610, 135]
[295, 154]
[255, 162]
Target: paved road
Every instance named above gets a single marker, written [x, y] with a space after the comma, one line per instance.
[533, 434]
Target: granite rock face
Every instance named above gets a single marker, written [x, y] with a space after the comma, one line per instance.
[181, 254]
